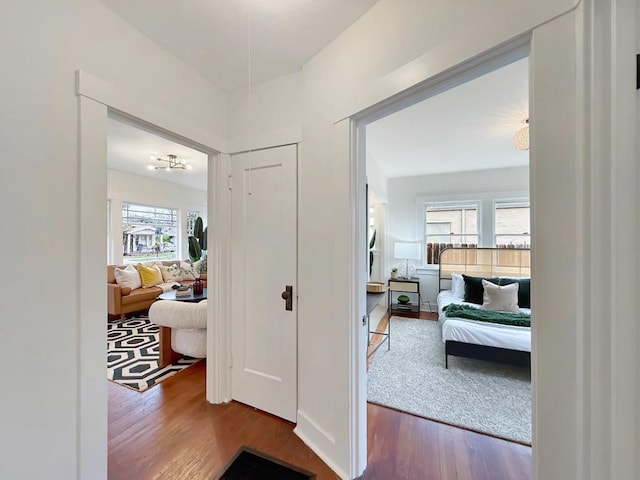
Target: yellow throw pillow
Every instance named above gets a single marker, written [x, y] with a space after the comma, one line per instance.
[150, 275]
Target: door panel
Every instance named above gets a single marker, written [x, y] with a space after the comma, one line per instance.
[264, 262]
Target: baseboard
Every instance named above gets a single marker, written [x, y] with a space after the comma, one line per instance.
[313, 435]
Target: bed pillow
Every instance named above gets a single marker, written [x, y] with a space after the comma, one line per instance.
[500, 299]
[473, 289]
[524, 290]
[457, 285]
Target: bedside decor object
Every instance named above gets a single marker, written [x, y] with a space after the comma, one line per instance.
[404, 299]
[394, 272]
[407, 251]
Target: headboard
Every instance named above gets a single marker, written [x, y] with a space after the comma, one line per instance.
[484, 262]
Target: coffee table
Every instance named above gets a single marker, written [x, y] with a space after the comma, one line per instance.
[171, 295]
[165, 354]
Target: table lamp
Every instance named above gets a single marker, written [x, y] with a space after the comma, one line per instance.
[408, 251]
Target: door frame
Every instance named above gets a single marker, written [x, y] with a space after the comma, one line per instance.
[512, 51]
[96, 100]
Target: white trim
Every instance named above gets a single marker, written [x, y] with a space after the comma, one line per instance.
[472, 197]
[91, 427]
[506, 53]
[94, 99]
[219, 266]
[359, 269]
[127, 104]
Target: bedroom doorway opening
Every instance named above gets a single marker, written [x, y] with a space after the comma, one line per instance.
[449, 163]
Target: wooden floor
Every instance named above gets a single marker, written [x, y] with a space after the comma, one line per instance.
[171, 432]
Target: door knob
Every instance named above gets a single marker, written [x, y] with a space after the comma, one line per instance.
[287, 296]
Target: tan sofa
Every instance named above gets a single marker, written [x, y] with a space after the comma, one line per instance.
[123, 300]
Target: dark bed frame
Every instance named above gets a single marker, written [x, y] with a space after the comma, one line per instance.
[489, 262]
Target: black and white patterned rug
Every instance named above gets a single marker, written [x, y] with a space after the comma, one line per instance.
[132, 355]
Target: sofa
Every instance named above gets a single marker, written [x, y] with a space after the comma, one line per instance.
[122, 300]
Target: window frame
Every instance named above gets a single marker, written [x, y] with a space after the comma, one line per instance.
[175, 215]
[510, 203]
[450, 205]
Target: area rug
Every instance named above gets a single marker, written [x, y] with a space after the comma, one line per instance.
[482, 396]
[132, 355]
[249, 464]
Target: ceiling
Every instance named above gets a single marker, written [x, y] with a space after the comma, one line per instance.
[469, 127]
[129, 149]
[214, 36]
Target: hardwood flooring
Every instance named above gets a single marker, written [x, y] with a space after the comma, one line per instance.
[170, 432]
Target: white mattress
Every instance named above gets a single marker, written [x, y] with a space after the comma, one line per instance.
[481, 333]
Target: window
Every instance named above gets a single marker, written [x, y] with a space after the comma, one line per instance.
[191, 221]
[512, 225]
[450, 225]
[148, 233]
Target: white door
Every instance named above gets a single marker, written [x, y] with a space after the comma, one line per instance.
[263, 264]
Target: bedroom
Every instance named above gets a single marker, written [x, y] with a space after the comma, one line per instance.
[448, 171]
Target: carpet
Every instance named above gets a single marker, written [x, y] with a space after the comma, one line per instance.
[251, 465]
[132, 355]
[482, 396]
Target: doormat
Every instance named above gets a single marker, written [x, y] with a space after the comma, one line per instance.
[251, 465]
[132, 355]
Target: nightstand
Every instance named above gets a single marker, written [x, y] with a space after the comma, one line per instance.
[404, 286]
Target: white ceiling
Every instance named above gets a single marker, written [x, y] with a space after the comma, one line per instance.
[214, 36]
[129, 149]
[469, 127]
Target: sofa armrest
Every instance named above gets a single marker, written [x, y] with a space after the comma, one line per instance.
[114, 299]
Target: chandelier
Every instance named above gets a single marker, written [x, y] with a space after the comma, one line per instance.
[172, 162]
[521, 138]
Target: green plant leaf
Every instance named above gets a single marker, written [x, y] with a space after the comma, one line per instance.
[372, 242]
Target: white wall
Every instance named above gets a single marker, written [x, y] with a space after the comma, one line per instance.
[42, 44]
[127, 187]
[406, 208]
[266, 115]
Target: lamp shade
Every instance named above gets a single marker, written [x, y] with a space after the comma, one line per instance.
[407, 250]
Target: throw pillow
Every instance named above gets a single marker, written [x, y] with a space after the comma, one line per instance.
[199, 265]
[457, 285]
[524, 290]
[473, 289]
[501, 299]
[150, 275]
[171, 273]
[187, 271]
[127, 277]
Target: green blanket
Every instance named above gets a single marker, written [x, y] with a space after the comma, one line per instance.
[504, 318]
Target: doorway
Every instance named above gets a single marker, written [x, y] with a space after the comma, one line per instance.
[416, 213]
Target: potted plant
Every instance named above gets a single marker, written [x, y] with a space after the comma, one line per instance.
[394, 272]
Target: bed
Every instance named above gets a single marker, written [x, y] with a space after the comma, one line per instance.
[477, 339]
